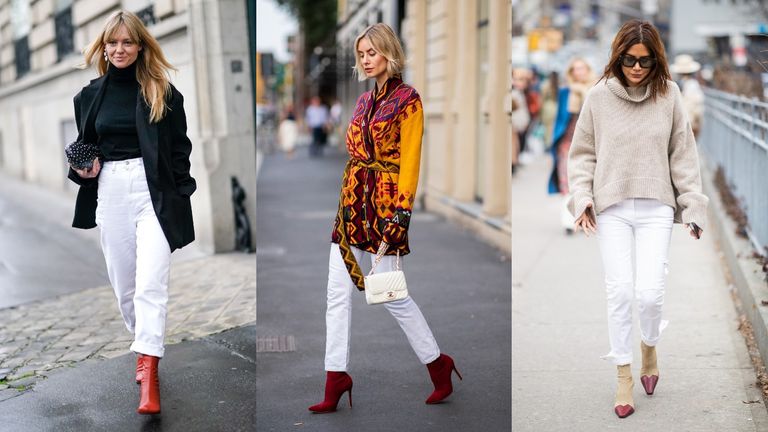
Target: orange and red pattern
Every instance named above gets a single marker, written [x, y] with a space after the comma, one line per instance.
[379, 186]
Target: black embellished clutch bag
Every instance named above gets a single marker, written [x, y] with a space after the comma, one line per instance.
[80, 155]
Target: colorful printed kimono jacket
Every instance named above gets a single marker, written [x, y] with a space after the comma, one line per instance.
[380, 178]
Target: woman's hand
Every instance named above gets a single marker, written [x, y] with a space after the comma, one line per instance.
[695, 230]
[586, 222]
[393, 233]
[89, 173]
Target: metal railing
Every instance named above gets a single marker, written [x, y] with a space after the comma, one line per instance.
[735, 137]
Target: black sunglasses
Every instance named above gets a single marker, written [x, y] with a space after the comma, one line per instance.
[630, 60]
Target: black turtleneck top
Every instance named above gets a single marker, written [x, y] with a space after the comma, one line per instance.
[116, 120]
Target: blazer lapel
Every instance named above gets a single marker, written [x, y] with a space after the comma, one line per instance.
[93, 97]
[147, 137]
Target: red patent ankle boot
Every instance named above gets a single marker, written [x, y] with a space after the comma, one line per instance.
[336, 383]
[150, 386]
[139, 368]
[440, 372]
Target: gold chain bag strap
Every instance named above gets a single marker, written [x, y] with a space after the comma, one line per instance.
[385, 286]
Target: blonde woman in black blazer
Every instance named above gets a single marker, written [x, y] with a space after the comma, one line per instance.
[138, 191]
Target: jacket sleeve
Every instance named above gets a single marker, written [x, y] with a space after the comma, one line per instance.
[582, 159]
[411, 129]
[182, 147]
[684, 168]
[71, 174]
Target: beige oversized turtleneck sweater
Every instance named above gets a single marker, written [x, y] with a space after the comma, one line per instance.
[626, 145]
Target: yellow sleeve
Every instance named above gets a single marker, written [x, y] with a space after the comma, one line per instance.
[411, 129]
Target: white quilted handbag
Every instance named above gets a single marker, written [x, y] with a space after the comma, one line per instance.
[386, 286]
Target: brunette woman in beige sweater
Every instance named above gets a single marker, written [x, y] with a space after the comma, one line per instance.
[633, 171]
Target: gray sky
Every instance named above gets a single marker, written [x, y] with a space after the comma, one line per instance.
[273, 25]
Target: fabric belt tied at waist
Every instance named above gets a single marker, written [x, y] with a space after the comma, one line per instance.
[346, 252]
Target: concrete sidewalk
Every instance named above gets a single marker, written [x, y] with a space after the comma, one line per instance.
[461, 285]
[559, 331]
[205, 385]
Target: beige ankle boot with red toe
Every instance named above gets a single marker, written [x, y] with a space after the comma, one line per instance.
[649, 373]
[625, 404]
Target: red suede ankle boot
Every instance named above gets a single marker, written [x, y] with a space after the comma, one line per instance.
[150, 386]
[336, 383]
[440, 372]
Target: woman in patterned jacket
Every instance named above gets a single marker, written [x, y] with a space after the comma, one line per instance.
[377, 192]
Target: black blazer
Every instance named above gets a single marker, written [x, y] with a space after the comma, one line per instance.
[165, 149]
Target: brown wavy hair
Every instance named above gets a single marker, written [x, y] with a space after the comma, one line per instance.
[152, 68]
[640, 32]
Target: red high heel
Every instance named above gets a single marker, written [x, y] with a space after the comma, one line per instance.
[440, 373]
[139, 368]
[336, 383]
[150, 386]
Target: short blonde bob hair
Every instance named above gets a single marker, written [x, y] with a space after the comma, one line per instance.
[385, 42]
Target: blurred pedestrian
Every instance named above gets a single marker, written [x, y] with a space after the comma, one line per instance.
[579, 79]
[534, 144]
[317, 118]
[335, 131]
[549, 94]
[520, 120]
[137, 118]
[633, 172]
[288, 133]
[375, 204]
[693, 97]
[521, 115]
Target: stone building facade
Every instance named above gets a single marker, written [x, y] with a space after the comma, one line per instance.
[206, 40]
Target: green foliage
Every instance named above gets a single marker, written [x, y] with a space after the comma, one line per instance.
[316, 17]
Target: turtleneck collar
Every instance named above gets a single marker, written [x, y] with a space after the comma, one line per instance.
[124, 75]
[631, 94]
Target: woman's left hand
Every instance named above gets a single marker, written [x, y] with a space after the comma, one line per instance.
[91, 172]
[693, 232]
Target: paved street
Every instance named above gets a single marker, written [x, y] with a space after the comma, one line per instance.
[559, 331]
[460, 283]
[207, 296]
[206, 385]
[61, 335]
[40, 256]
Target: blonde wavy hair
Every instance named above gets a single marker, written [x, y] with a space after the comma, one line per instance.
[570, 79]
[385, 42]
[152, 68]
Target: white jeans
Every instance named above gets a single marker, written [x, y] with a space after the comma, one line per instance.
[649, 223]
[339, 313]
[136, 252]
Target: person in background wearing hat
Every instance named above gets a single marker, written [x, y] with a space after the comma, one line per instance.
[693, 97]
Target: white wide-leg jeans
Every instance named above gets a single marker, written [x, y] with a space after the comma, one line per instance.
[648, 224]
[136, 252]
[338, 316]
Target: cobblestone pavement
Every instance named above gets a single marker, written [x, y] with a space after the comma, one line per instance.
[207, 296]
